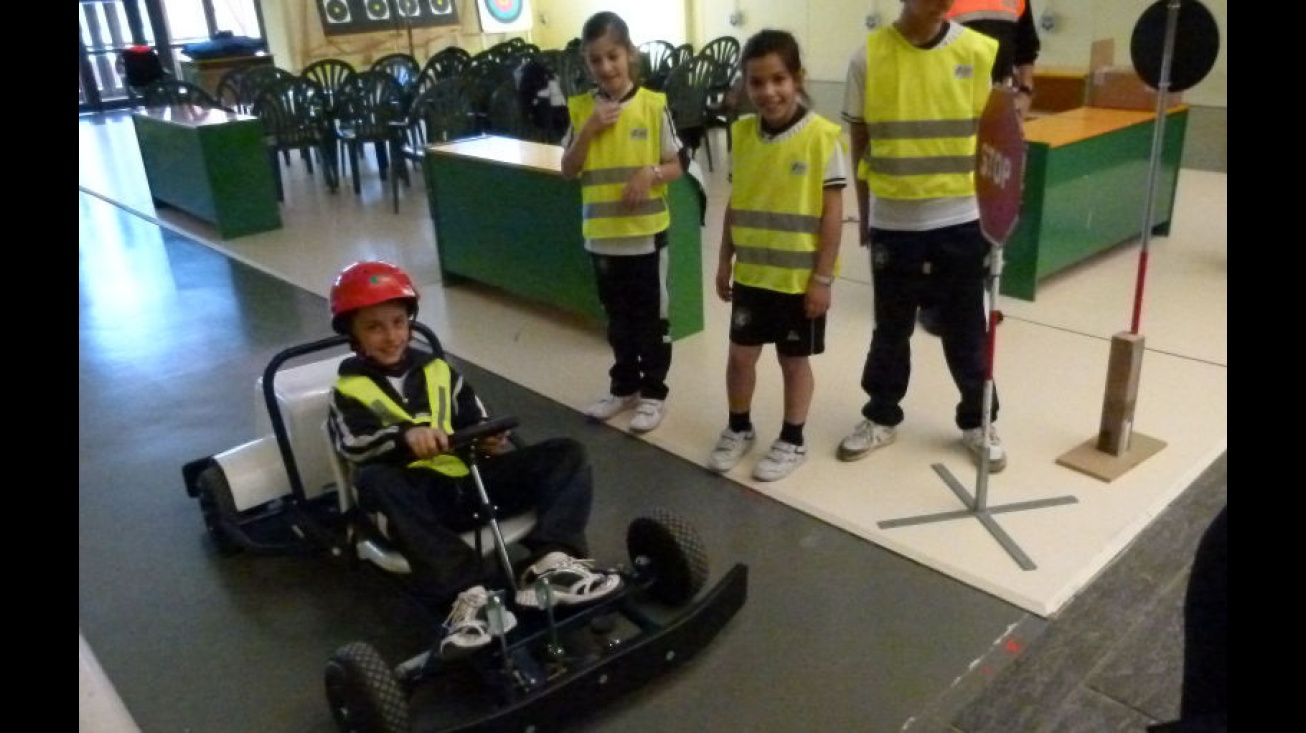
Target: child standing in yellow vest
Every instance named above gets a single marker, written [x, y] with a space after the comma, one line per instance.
[779, 248]
[623, 147]
[913, 98]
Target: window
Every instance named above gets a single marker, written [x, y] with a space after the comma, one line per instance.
[190, 21]
[106, 27]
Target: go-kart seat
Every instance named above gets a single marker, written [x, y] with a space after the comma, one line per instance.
[375, 547]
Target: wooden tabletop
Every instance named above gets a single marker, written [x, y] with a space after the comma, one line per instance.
[504, 151]
[1061, 72]
[1082, 123]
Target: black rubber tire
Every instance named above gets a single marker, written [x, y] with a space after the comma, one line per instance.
[364, 693]
[669, 549]
[216, 502]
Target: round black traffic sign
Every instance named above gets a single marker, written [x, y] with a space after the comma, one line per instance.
[1196, 44]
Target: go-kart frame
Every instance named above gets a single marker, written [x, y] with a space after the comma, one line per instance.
[556, 662]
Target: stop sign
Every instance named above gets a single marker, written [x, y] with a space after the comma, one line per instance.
[999, 166]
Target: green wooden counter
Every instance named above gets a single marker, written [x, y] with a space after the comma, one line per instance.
[211, 164]
[1085, 188]
[505, 216]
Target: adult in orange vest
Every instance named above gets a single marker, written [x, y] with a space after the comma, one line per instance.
[1011, 24]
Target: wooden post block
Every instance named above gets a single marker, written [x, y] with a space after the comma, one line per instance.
[1121, 394]
[1118, 447]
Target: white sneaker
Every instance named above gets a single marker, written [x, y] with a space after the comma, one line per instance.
[974, 440]
[866, 437]
[611, 406]
[648, 415]
[468, 627]
[730, 449]
[780, 461]
[574, 581]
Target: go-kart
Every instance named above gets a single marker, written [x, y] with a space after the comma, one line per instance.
[288, 491]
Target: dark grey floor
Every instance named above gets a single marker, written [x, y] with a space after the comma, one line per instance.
[837, 634]
[1111, 660]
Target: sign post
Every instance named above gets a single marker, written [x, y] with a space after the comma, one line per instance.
[1167, 66]
[999, 183]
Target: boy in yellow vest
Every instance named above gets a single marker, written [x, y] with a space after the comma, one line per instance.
[913, 98]
[393, 409]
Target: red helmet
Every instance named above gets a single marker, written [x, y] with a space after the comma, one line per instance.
[367, 283]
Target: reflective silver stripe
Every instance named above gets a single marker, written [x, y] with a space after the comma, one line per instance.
[786, 259]
[442, 399]
[605, 176]
[922, 129]
[775, 222]
[608, 209]
[922, 166]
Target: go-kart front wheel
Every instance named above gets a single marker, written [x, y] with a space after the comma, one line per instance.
[363, 692]
[216, 502]
[669, 551]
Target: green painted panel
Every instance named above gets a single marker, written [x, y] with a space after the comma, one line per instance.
[174, 167]
[244, 191]
[216, 172]
[1087, 197]
[685, 279]
[1020, 254]
[519, 230]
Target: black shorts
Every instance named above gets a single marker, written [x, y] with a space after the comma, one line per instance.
[760, 316]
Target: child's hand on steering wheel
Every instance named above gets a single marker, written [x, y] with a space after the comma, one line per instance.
[426, 442]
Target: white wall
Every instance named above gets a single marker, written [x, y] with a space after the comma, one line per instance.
[829, 30]
[559, 21]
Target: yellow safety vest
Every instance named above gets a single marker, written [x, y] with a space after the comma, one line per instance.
[776, 199]
[634, 142]
[438, 389]
[968, 11]
[922, 111]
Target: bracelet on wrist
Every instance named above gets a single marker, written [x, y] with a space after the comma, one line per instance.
[657, 172]
[1025, 89]
[825, 280]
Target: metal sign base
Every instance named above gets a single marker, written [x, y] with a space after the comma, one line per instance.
[982, 513]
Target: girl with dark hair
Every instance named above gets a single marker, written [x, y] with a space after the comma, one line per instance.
[779, 248]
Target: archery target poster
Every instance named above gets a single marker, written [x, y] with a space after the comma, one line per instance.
[340, 17]
[504, 16]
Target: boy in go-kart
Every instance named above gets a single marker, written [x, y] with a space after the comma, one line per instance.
[393, 409]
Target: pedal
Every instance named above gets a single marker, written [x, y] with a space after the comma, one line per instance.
[545, 599]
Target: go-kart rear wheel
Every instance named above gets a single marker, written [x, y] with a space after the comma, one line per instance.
[216, 502]
[363, 692]
[668, 549]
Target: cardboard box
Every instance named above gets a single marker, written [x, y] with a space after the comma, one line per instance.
[1119, 87]
[1059, 88]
